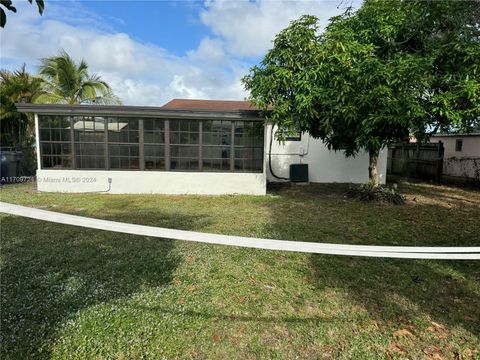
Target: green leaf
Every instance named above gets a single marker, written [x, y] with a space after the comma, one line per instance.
[40, 5]
[3, 18]
[8, 5]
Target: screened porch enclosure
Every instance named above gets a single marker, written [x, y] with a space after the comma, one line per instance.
[150, 144]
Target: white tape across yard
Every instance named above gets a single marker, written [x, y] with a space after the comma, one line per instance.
[407, 252]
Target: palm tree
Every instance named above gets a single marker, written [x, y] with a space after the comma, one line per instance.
[18, 86]
[69, 83]
[17, 129]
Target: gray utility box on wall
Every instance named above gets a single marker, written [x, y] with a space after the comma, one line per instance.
[299, 173]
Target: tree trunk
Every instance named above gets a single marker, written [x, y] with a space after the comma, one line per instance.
[372, 168]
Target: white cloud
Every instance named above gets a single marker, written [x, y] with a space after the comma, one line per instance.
[145, 74]
[248, 28]
[135, 91]
[209, 50]
[182, 86]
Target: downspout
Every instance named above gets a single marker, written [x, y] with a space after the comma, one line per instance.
[270, 158]
[284, 154]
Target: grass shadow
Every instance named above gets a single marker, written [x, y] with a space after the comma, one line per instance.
[393, 291]
[50, 272]
[207, 314]
[397, 291]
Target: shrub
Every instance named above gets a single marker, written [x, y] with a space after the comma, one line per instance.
[369, 192]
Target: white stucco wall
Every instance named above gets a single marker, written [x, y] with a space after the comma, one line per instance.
[470, 147]
[465, 163]
[151, 182]
[324, 166]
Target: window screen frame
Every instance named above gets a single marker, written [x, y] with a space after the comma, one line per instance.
[54, 141]
[175, 139]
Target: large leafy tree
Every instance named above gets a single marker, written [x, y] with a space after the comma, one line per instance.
[374, 76]
[67, 82]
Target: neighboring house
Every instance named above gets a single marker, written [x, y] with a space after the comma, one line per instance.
[462, 154]
[183, 147]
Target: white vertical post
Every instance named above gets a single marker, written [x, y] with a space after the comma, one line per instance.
[37, 141]
[266, 146]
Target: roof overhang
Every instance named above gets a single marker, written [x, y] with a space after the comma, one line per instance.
[137, 111]
[457, 135]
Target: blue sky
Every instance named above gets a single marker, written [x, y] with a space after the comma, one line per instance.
[171, 25]
[153, 51]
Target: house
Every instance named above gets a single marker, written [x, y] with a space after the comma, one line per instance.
[184, 147]
[462, 154]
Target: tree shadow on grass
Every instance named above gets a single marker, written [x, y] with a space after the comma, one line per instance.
[52, 271]
[391, 290]
[443, 196]
[399, 290]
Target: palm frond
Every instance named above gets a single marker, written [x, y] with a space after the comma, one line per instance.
[65, 78]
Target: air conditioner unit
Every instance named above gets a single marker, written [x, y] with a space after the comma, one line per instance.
[299, 173]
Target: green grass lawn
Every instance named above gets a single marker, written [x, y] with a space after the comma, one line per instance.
[69, 292]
